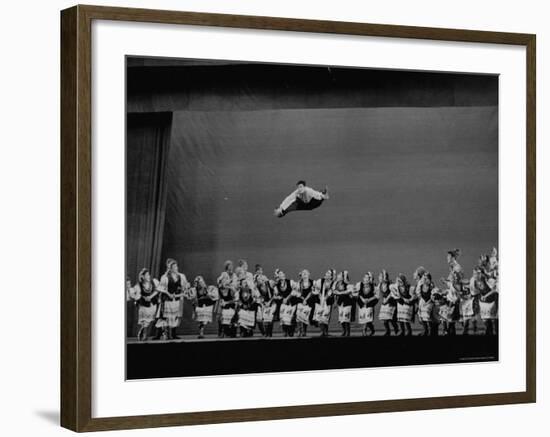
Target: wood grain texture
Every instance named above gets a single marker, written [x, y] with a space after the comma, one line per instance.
[68, 220]
[531, 211]
[302, 411]
[300, 25]
[76, 222]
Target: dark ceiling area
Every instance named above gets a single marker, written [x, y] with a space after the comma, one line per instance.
[156, 85]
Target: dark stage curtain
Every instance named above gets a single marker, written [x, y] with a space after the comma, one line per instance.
[147, 148]
[148, 144]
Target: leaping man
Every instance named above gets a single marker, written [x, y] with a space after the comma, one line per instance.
[304, 198]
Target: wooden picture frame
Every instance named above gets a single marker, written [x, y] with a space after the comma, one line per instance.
[76, 217]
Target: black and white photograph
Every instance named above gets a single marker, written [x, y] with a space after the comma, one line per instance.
[275, 218]
[285, 217]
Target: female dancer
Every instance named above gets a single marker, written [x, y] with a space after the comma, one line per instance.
[449, 303]
[258, 271]
[230, 279]
[264, 295]
[426, 292]
[246, 309]
[290, 297]
[305, 307]
[173, 288]
[493, 263]
[326, 298]
[228, 273]
[487, 291]
[468, 304]
[242, 265]
[272, 306]
[145, 294]
[388, 309]
[343, 291]
[405, 304]
[483, 264]
[226, 304]
[490, 310]
[418, 274]
[206, 297]
[452, 261]
[367, 298]
[129, 290]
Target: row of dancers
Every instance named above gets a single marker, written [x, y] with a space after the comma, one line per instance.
[242, 301]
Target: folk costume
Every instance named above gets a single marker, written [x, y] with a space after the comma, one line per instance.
[405, 305]
[288, 290]
[488, 305]
[228, 280]
[227, 305]
[246, 312]
[426, 305]
[305, 308]
[264, 310]
[367, 298]
[206, 298]
[344, 300]
[323, 309]
[388, 308]
[173, 288]
[145, 295]
[449, 308]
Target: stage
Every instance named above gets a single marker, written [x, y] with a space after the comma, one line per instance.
[191, 356]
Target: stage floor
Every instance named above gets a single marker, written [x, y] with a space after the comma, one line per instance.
[313, 332]
[190, 356]
[276, 335]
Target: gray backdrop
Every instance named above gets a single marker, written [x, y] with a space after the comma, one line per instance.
[406, 185]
